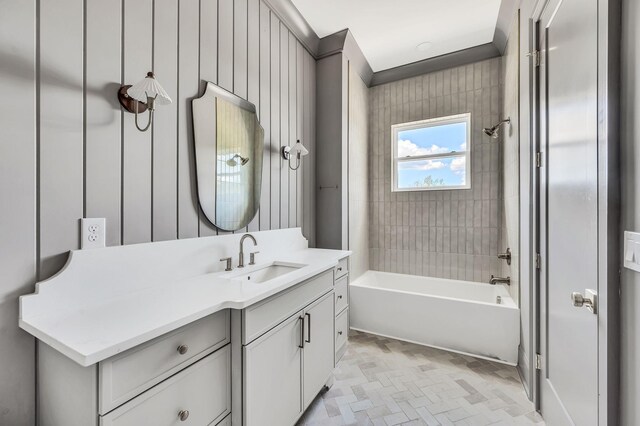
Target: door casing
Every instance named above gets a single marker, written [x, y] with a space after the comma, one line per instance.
[608, 203]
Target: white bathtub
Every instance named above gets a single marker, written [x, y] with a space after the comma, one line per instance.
[458, 316]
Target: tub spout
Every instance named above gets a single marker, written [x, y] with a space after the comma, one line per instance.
[499, 280]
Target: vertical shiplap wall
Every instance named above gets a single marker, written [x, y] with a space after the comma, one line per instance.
[18, 218]
[68, 151]
[447, 234]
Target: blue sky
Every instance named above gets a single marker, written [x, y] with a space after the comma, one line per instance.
[432, 140]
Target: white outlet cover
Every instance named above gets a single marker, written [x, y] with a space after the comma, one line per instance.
[632, 250]
[93, 232]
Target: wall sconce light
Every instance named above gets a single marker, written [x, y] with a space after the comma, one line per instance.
[143, 96]
[298, 150]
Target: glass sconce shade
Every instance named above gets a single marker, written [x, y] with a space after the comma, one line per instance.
[147, 88]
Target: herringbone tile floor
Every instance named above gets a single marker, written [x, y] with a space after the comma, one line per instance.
[382, 381]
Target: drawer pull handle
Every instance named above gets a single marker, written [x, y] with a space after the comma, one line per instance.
[301, 345]
[339, 333]
[183, 415]
[339, 296]
[340, 269]
[182, 349]
[308, 315]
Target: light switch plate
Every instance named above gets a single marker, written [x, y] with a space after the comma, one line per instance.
[93, 232]
[632, 250]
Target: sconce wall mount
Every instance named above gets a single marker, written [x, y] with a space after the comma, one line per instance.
[298, 151]
[143, 96]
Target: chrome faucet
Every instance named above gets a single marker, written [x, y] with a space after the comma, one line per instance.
[241, 255]
[499, 280]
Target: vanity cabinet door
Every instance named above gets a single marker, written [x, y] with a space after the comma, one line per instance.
[273, 374]
[318, 354]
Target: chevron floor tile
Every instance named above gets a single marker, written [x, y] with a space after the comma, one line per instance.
[385, 382]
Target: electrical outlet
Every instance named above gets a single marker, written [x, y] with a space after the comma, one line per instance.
[93, 232]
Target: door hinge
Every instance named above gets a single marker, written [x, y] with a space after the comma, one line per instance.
[538, 362]
[538, 261]
[536, 57]
[538, 159]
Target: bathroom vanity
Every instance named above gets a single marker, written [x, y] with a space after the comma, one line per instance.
[160, 334]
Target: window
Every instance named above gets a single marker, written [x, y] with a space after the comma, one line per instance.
[431, 154]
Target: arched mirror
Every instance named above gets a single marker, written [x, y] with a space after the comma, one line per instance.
[229, 143]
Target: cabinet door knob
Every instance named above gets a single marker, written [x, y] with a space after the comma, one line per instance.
[182, 349]
[339, 333]
[183, 415]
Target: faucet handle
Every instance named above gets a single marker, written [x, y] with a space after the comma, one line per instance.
[228, 260]
[252, 257]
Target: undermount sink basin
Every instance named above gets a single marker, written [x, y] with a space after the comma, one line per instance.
[269, 272]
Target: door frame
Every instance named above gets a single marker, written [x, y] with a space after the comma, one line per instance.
[608, 202]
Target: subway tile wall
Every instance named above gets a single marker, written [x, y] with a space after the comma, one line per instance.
[448, 234]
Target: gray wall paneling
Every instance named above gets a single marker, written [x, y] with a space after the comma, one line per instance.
[253, 71]
[284, 124]
[225, 44]
[240, 14]
[165, 127]
[208, 72]
[293, 87]
[18, 152]
[136, 145]
[264, 113]
[300, 107]
[188, 85]
[103, 156]
[61, 170]
[275, 122]
[69, 151]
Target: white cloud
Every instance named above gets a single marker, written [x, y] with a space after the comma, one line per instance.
[409, 149]
[458, 165]
[423, 165]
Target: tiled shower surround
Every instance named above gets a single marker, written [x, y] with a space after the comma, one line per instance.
[448, 233]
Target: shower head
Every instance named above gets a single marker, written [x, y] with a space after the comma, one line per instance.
[232, 161]
[493, 131]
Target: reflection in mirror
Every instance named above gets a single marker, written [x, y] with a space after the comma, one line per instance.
[229, 143]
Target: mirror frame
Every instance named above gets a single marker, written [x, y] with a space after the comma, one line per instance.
[205, 168]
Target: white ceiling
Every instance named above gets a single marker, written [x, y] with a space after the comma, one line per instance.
[389, 31]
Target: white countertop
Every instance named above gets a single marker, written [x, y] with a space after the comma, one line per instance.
[93, 332]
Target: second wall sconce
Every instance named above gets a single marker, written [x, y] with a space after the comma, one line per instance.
[298, 151]
[143, 96]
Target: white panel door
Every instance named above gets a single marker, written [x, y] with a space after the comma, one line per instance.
[569, 211]
[273, 375]
[318, 353]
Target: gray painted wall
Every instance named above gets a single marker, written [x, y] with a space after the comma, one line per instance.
[449, 234]
[358, 174]
[69, 152]
[630, 142]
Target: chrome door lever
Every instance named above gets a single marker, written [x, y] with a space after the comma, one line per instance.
[588, 300]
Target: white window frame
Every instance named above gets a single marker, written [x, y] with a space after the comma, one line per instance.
[422, 124]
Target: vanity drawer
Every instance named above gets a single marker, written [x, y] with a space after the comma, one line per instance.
[342, 294]
[203, 390]
[130, 373]
[263, 316]
[342, 333]
[343, 267]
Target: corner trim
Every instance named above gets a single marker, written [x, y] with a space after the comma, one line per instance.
[297, 24]
[438, 63]
[506, 15]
